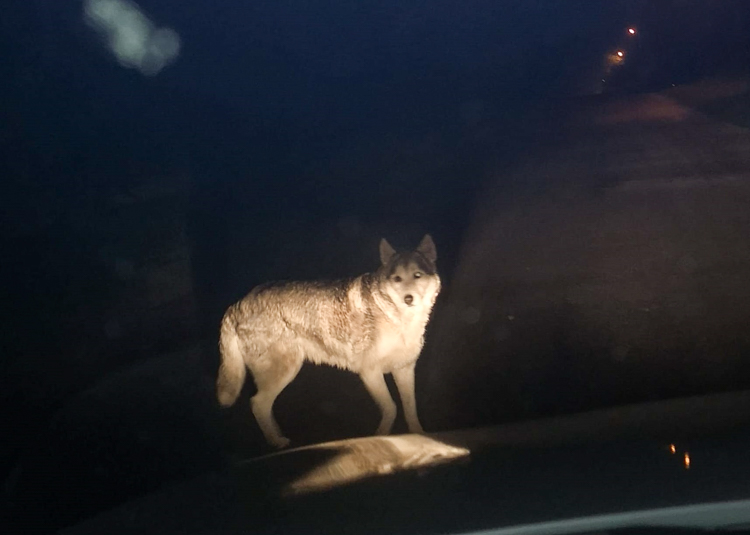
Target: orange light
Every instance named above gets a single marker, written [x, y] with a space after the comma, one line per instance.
[631, 31]
[687, 461]
[672, 448]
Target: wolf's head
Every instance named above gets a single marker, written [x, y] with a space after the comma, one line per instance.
[410, 278]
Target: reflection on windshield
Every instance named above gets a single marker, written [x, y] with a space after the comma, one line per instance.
[685, 455]
[131, 36]
[360, 458]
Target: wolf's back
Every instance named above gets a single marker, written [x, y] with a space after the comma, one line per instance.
[232, 370]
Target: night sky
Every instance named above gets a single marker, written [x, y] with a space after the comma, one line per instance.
[277, 140]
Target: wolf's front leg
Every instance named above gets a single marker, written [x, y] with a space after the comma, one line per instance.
[378, 389]
[404, 378]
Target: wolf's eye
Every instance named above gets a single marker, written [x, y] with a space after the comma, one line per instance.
[397, 278]
[417, 274]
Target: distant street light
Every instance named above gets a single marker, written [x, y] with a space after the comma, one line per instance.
[620, 53]
[631, 31]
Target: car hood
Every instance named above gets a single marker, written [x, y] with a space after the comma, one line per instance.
[678, 453]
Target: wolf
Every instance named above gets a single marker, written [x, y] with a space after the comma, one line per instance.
[372, 325]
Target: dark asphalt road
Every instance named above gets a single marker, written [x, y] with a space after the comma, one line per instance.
[621, 275]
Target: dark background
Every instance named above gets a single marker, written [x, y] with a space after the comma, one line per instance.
[285, 140]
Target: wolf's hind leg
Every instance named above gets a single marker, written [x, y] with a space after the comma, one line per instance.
[375, 383]
[277, 369]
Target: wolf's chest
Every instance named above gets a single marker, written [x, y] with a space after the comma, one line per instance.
[399, 344]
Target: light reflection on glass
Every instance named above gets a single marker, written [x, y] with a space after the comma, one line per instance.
[356, 459]
[131, 36]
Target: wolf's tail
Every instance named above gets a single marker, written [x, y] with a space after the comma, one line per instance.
[232, 370]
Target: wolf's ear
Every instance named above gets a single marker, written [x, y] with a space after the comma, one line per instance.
[386, 251]
[427, 248]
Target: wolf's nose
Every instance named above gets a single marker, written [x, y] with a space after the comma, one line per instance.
[408, 299]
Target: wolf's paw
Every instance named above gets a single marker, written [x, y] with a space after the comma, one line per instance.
[384, 430]
[416, 429]
[280, 442]
[386, 423]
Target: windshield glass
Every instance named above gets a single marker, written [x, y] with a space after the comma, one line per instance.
[548, 201]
